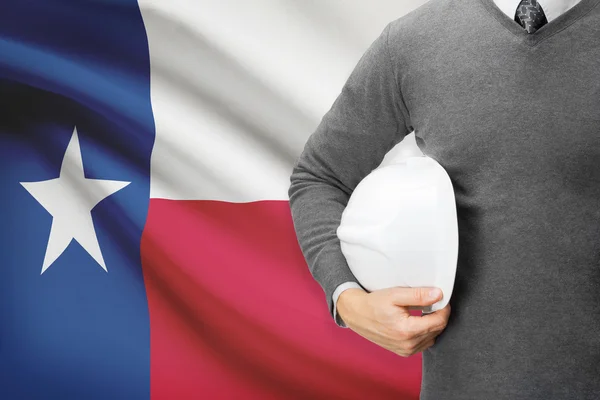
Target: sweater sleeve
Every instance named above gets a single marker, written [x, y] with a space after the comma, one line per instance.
[367, 119]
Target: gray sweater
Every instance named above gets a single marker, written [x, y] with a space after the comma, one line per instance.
[514, 118]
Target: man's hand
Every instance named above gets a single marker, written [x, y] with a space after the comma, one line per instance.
[383, 317]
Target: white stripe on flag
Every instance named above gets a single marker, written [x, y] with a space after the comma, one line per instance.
[238, 86]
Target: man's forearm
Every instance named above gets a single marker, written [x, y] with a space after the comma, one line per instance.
[365, 122]
[316, 210]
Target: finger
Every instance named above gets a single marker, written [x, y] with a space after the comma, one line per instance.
[433, 333]
[425, 345]
[424, 337]
[413, 327]
[427, 323]
[442, 312]
[420, 296]
[426, 340]
[413, 346]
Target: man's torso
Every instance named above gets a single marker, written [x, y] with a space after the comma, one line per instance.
[515, 121]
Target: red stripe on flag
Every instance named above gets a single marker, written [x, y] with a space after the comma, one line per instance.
[235, 313]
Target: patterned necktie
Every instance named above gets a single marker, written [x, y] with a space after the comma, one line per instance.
[530, 15]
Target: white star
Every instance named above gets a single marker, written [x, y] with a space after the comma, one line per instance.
[70, 199]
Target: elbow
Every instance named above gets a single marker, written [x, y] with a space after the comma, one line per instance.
[298, 179]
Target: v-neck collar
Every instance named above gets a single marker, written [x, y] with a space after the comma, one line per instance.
[554, 26]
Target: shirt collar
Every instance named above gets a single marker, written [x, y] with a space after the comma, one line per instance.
[552, 8]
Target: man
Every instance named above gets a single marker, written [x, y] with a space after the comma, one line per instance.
[506, 97]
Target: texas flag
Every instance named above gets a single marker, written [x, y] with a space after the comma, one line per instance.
[146, 242]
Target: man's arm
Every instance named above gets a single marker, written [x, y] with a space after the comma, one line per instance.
[367, 120]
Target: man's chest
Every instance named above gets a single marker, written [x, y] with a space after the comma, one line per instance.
[507, 109]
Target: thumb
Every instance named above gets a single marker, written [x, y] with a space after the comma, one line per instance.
[419, 296]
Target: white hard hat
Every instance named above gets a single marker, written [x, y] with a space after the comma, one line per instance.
[400, 228]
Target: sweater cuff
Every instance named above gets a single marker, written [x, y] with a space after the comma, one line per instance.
[331, 271]
[336, 295]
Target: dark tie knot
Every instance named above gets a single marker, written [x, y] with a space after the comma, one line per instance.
[530, 15]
